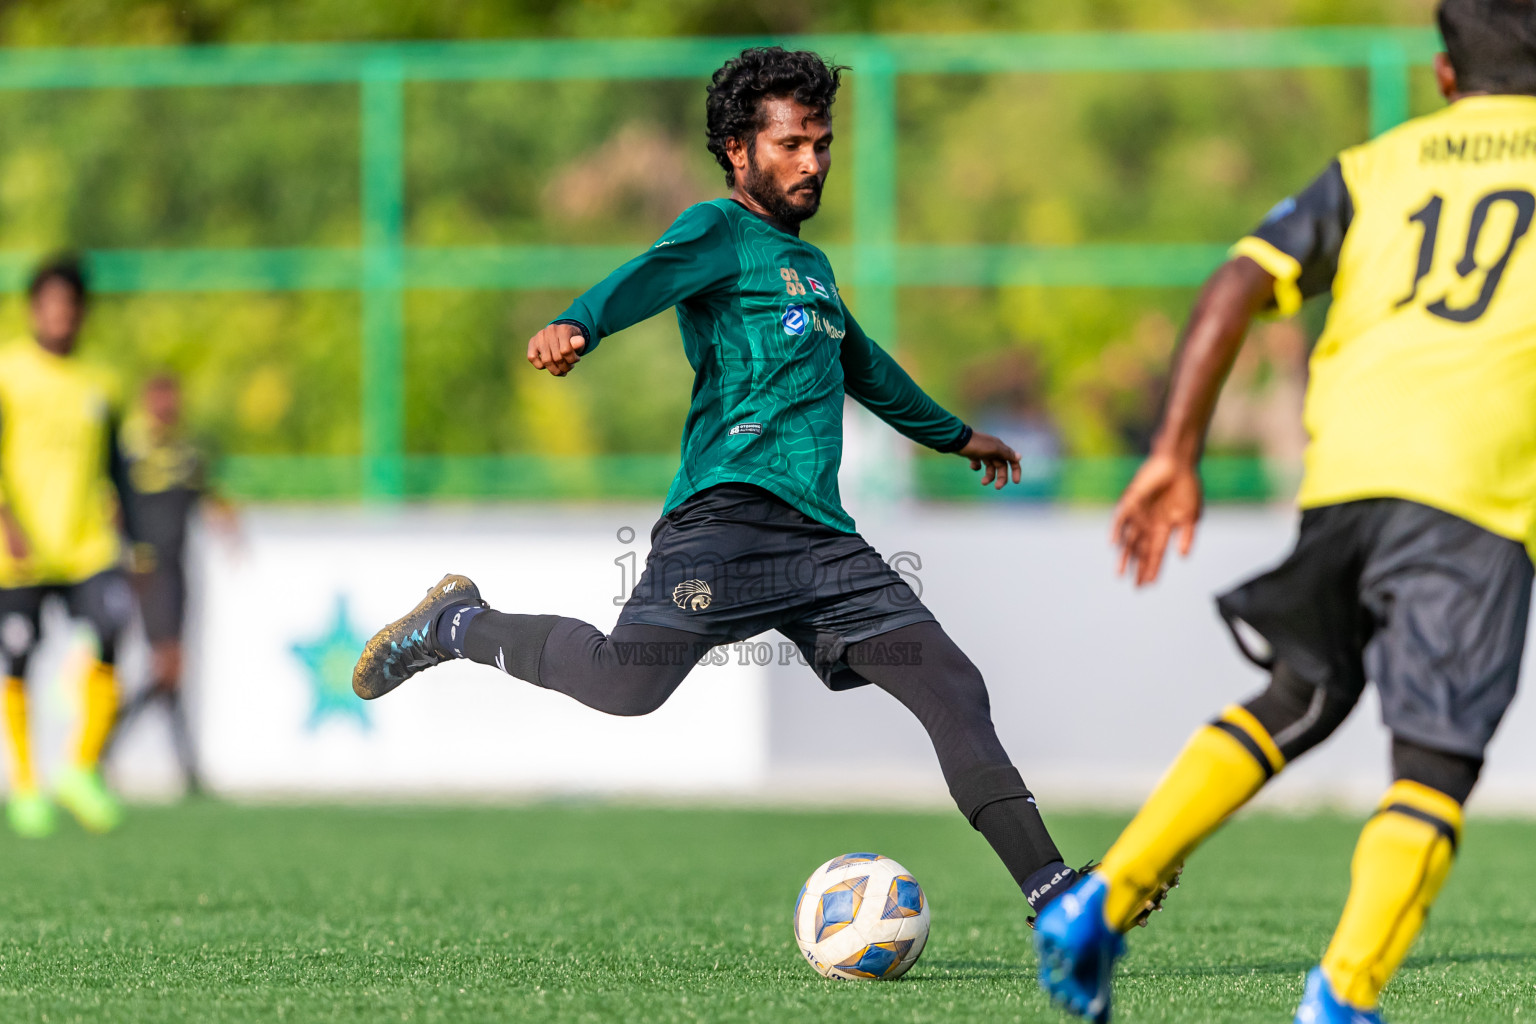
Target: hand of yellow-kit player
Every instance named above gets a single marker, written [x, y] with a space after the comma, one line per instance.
[1162, 499]
[15, 540]
[556, 348]
[986, 450]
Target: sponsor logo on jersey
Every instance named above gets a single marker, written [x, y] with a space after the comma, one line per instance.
[795, 320]
[746, 428]
[1284, 208]
[818, 287]
[692, 595]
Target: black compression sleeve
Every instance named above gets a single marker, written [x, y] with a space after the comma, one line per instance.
[117, 472]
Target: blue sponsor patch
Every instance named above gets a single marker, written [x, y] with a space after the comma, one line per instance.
[795, 320]
[1283, 208]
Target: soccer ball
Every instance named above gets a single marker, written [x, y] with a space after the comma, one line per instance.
[861, 915]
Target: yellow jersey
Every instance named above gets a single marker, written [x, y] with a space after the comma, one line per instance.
[1423, 383]
[55, 442]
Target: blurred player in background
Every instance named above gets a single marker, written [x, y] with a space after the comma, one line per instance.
[168, 472]
[62, 488]
[1419, 501]
[753, 535]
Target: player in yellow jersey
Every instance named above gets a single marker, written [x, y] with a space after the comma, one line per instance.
[1418, 503]
[61, 483]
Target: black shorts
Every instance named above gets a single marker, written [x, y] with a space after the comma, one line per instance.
[162, 594]
[104, 601]
[734, 561]
[1429, 607]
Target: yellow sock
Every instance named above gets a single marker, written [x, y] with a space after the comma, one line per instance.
[23, 778]
[100, 713]
[1402, 859]
[1220, 769]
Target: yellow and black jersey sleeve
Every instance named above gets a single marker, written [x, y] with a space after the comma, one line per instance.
[1299, 241]
[1422, 385]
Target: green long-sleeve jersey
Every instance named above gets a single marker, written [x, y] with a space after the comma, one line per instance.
[773, 349]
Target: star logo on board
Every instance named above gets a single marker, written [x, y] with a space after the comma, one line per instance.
[328, 661]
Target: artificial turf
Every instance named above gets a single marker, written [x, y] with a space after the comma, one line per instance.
[587, 912]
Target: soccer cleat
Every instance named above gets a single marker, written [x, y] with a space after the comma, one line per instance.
[81, 792]
[409, 644]
[1078, 949]
[31, 815]
[1155, 904]
[1320, 1006]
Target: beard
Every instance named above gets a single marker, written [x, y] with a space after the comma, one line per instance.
[799, 202]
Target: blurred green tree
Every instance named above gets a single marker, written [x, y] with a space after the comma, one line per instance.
[1065, 158]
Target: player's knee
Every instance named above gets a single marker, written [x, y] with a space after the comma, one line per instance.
[981, 784]
[634, 706]
[1451, 774]
[964, 688]
[16, 666]
[18, 635]
[641, 695]
[1297, 714]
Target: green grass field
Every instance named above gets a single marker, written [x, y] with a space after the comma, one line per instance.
[589, 912]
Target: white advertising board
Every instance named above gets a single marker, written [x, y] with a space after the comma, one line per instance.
[284, 616]
[1094, 686]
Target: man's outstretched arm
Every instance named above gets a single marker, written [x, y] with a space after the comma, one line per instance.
[877, 382]
[694, 257]
[1164, 497]
[1291, 257]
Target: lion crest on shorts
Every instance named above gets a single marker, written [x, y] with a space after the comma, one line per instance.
[692, 595]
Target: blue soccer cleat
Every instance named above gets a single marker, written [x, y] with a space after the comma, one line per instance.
[1320, 1006]
[1078, 949]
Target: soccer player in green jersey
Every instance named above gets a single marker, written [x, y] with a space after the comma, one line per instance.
[753, 536]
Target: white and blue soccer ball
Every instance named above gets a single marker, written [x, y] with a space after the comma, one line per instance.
[861, 916]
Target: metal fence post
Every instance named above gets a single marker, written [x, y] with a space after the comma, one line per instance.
[874, 191]
[382, 104]
[877, 467]
[1389, 84]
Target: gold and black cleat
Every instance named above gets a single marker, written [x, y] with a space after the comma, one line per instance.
[409, 644]
[1156, 902]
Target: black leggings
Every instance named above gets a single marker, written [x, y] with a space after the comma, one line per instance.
[636, 668]
[181, 733]
[1298, 716]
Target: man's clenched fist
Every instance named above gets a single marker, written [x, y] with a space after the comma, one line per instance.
[556, 348]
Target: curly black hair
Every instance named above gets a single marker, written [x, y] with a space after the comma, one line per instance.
[736, 93]
[1491, 44]
[66, 267]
